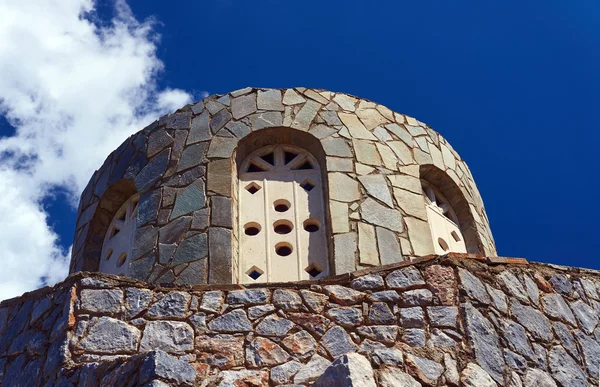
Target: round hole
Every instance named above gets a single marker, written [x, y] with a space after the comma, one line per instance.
[443, 244]
[121, 259]
[281, 205]
[108, 254]
[251, 228]
[283, 249]
[283, 227]
[312, 225]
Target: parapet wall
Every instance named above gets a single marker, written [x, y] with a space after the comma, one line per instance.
[429, 322]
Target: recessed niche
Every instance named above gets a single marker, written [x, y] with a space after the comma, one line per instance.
[313, 270]
[455, 236]
[108, 254]
[443, 244]
[312, 225]
[122, 259]
[283, 249]
[281, 205]
[254, 272]
[283, 226]
[307, 185]
[252, 188]
[252, 228]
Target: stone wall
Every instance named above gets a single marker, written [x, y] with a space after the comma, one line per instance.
[453, 320]
[184, 168]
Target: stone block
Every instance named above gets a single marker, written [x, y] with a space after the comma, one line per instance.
[101, 300]
[170, 336]
[349, 370]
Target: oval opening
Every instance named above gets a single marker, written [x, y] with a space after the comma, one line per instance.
[455, 236]
[108, 254]
[283, 227]
[121, 259]
[312, 225]
[283, 249]
[443, 244]
[251, 228]
[281, 205]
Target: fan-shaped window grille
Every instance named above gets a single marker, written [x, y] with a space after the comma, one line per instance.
[281, 216]
[443, 222]
[118, 242]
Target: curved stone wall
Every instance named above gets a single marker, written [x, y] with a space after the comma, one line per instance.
[184, 167]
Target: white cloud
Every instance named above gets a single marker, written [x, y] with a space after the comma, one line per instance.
[73, 89]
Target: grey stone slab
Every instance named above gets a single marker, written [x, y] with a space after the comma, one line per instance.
[191, 249]
[424, 369]
[337, 342]
[532, 289]
[158, 141]
[221, 255]
[283, 374]
[499, 299]
[586, 316]
[270, 100]
[274, 326]
[306, 115]
[484, 341]
[566, 338]
[376, 186]
[380, 215]
[174, 304]
[414, 337]
[537, 378]
[192, 156]
[110, 336]
[174, 230]
[222, 147]
[344, 252]
[443, 316]
[248, 296]
[439, 339]
[335, 146]
[152, 171]
[416, 297]
[221, 212]
[591, 353]
[179, 120]
[101, 300]
[300, 344]
[367, 282]
[170, 336]
[212, 301]
[516, 337]
[473, 286]
[137, 300]
[405, 279]
[565, 369]
[263, 352]
[148, 207]
[345, 316]
[562, 284]
[389, 248]
[287, 299]
[265, 120]
[534, 321]
[514, 286]
[258, 311]
[200, 130]
[412, 317]
[160, 364]
[243, 106]
[234, 321]
[311, 370]
[191, 199]
[382, 333]
[144, 241]
[238, 129]
[475, 376]
[343, 295]
[556, 307]
[380, 314]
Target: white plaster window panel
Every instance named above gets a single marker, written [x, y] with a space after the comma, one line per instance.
[118, 242]
[281, 217]
[443, 222]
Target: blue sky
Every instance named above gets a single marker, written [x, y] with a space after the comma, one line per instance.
[513, 87]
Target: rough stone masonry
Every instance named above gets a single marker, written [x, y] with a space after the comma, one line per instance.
[452, 320]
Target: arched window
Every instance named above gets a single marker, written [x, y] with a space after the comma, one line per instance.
[281, 216]
[443, 222]
[118, 241]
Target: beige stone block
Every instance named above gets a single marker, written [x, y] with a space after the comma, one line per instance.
[415, 130]
[332, 106]
[339, 217]
[345, 133]
[403, 152]
[269, 100]
[448, 157]
[326, 94]
[364, 104]
[399, 118]
[421, 157]
[376, 186]
[222, 147]
[219, 177]
[371, 118]
[412, 170]
[290, 97]
[335, 146]
[321, 131]
[337, 164]
[355, 127]
[287, 116]
[344, 253]
[388, 246]
[387, 113]
[387, 156]
[436, 156]
[420, 236]
[411, 203]
[407, 182]
[345, 101]
[362, 169]
[316, 96]
[306, 115]
[366, 152]
[342, 187]
[354, 216]
[382, 134]
[422, 143]
[367, 245]
[411, 121]
[401, 132]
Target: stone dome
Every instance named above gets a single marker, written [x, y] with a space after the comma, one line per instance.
[277, 185]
